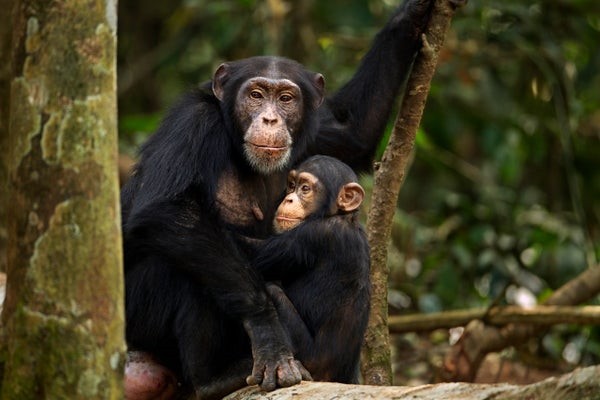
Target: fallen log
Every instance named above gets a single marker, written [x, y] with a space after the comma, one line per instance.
[581, 384]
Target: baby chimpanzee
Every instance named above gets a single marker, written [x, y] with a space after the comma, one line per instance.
[321, 259]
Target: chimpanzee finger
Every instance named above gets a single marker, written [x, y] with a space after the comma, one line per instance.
[257, 375]
[306, 376]
[251, 381]
[269, 380]
[288, 374]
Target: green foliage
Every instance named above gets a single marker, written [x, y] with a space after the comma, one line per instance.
[501, 201]
[506, 177]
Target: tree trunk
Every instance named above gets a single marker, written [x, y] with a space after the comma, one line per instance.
[389, 176]
[63, 313]
[6, 7]
[582, 384]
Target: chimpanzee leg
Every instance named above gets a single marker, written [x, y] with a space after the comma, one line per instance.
[172, 318]
[214, 350]
[152, 299]
[229, 381]
[204, 264]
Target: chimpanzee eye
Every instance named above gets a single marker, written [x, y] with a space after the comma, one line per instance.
[291, 187]
[255, 94]
[305, 188]
[286, 98]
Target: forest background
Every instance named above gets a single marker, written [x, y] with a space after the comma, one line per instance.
[500, 205]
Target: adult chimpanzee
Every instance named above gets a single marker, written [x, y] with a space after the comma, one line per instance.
[321, 258]
[213, 172]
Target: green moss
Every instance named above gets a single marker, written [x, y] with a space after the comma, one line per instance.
[60, 370]
[25, 122]
[32, 41]
[66, 322]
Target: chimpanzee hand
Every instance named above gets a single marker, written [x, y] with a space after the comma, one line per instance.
[414, 14]
[274, 364]
[279, 371]
[274, 290]
[419, 11]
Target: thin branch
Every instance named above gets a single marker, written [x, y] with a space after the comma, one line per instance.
[539, 315]
[389, 176]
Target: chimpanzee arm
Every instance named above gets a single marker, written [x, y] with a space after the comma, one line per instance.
[337, 300]
[292, 252]
[331, 352]
[298, 332]
[353, 119]
[200, 248]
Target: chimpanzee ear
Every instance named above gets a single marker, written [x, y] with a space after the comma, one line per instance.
[350, 197]
[319, 84]
[219, 79]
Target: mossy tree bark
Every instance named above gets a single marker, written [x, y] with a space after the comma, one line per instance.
[63, 313]
[6, 7]
[389, 176]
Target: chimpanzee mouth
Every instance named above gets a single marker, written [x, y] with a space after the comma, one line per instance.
[283, 218]
[267, 159]
[266, 147]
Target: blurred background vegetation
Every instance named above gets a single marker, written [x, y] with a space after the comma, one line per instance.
[502, 200]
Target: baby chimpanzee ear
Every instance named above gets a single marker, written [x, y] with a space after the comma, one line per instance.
[319, 84]
[350, 197]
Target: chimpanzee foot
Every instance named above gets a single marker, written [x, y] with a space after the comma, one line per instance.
[146, 379]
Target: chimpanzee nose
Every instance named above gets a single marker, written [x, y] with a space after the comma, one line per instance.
[269, 121]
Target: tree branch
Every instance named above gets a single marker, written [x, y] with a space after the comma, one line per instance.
[389, 176]
[540, 315]
[463, 361]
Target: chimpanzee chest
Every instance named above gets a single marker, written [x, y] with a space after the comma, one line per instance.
[248, 201]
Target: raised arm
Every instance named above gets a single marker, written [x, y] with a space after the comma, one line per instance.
[354, 118]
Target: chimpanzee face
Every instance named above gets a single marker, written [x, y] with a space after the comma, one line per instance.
[269, 112]
[304, 194]
[271, 101]
[310, 192]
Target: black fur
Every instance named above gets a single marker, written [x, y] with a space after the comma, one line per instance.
[323, 267]
[191, 297]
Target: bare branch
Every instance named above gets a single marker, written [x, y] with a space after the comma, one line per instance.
[462, 363]
[389, 176]
[540, 315]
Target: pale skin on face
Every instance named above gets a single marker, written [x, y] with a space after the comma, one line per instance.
[272, 111]
[299, 202]
[303, 196]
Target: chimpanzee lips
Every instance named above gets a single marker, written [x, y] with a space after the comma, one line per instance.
[267, 158]
[268, 147]
[283, 218]
[284, 223]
